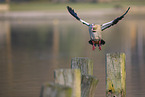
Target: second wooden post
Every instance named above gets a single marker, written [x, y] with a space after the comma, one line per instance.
[88, 81]
[115, 75]
[71, 78]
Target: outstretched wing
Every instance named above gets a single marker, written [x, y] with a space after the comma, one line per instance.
[111, 23]
[73, 13]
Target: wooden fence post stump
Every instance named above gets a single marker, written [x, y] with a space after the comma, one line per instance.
[55, 90]
[69, 77]
[115, 75]
[88, 85]
[88, 82]
[84, 64]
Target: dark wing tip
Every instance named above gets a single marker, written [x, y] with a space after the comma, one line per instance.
[128, 8]
[119, 18]
[72, 12]
[68, 7]
[126, 11]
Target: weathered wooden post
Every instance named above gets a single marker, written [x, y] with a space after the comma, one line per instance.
[88, 85]
[55, 90]
[69, 77]
[76, 82]
[84, 64]
[88, 81]
[115, 75]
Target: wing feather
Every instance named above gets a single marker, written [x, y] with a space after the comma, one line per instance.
[73, 13]
[113, 22]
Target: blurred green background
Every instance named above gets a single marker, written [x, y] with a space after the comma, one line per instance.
[53, 5]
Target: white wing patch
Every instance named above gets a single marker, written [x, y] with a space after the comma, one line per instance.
[84, 22]
[106, 25]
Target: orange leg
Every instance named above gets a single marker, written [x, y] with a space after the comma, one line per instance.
[99, 45]
[93, 48]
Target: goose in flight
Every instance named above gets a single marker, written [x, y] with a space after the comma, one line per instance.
[95, 30]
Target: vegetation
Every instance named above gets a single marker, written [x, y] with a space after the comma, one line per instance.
[47, 6]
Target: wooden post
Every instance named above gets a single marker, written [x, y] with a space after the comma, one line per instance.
[88, 82]
[88, 85]
[84, 64]
[115, 75]
[55, 90]
[69, 77]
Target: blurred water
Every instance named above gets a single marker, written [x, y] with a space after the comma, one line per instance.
[31, 50]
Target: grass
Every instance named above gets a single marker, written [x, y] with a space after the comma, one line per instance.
[46, 6]
[52, 6]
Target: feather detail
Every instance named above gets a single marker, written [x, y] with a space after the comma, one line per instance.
[72, 12]
[84, 22]
[119, 18]
[113, 22]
